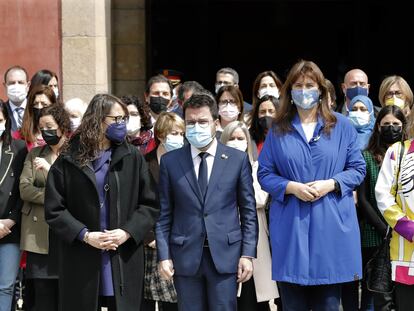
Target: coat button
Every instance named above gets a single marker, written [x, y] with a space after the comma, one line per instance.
[12, 174]
[10, 194]
[34, 218]
[205, 214]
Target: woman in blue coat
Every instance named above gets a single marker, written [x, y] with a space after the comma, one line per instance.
[310, 164]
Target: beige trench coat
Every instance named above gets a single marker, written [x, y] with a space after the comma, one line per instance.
[266, 288]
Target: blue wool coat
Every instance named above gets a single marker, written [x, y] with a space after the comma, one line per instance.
[313, 243]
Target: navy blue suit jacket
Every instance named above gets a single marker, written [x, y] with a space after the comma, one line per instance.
[228, 216]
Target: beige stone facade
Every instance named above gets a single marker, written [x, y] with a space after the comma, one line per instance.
[103, 47]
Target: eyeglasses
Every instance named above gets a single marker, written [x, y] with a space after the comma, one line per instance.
[226, 102]
[119, 119]
[202, 123]
[390, 94]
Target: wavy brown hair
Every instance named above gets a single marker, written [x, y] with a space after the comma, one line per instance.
[87, 139]
[287, 109]
[30, 126]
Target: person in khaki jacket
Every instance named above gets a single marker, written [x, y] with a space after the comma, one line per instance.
[54, 124]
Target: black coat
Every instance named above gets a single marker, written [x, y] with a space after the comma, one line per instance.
[11, 165]
[72, 203]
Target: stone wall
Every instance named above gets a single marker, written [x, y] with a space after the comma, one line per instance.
[86, 48]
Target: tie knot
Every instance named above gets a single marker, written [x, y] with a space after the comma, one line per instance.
[203, 155]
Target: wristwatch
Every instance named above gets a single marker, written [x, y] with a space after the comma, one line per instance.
[337, 187]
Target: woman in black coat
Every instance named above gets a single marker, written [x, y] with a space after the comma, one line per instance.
[101, 201]
[12, 155]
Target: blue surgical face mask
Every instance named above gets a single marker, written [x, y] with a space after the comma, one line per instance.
[305, 99]
[197, 136]
[355, 91]
[116, 132]
[173, 142]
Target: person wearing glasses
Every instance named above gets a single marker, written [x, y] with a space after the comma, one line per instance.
[394, 90]
[310, 164]
[101, 201]
[207, 231]
[230, 106]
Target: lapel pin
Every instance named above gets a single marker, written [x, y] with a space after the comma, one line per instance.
[225, 157]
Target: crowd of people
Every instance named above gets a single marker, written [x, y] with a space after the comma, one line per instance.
[193, 200]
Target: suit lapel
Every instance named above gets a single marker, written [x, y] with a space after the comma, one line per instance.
[5, 163]
[220, 161]
[187, 166]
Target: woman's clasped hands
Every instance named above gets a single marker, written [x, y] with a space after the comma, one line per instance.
[310, 191]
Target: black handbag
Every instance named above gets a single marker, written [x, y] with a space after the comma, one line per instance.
[378, 269]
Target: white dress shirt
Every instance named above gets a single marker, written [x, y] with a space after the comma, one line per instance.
[209, 159]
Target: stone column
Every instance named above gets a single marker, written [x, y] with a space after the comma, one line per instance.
[86, 48]
[128, 47]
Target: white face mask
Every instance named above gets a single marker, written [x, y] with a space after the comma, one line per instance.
[2, 128]
[17, 93]
[270, 91]
[74, 123]
[229, 112]
[238, 144]
[359, 118]
[173, 142]
[133, 125]
[56, 91]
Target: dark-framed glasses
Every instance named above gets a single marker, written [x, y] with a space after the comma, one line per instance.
[119, 119]
[390, 94]
[201, 123]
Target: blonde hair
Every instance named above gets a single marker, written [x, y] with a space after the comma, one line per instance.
[228, 131]
[402, 84]
[165, 123]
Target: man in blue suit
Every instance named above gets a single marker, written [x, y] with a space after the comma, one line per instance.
[207, 230]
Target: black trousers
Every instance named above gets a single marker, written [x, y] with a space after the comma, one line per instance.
[404, 297]
[248, 301]
[44, 295]
[108, 302]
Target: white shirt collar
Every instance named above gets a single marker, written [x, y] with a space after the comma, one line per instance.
[14, 107]
[211, 150]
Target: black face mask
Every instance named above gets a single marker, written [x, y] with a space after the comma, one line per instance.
[265, 123]
[390, 134]
[36, 113]
[50, 137]
[158, 104]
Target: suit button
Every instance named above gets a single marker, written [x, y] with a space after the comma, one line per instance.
[10, 194]
[205, 214]
[34, 218]
[12, 174]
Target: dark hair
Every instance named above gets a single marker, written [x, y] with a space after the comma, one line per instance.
[60, 115]
[256, 83]
[202, 99]
[42, 77]
[143, 110]
[30, 124]
[331, 91]
[15, 67]
[6, 136]
[256, 131]
[187, 86]
[377, 147]
[288, 110]
[90, 132]
[158, 79]
[236, 94]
